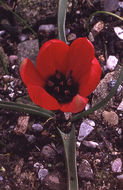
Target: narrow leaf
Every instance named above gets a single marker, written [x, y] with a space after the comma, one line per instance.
[62, 7]
[69, 142]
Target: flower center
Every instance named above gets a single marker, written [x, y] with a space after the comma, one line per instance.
[61, 87]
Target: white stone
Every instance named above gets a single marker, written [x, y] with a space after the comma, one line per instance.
[46, 27]
[111, 62]
[37, 127]
[85, 129]
[116, 165]
[90, 144]
[121, 4]
[120, 107]
[119, 32]
[11, 95]
[42, 173]
[120, 177]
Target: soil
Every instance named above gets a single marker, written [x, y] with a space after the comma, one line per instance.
[21, 146]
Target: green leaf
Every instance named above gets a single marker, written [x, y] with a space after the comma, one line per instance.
[69, 142]
[35, 110]
[62, 7]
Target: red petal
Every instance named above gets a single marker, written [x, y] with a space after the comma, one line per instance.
[40, 97]
[29, 74]
[90, 81]
[52, 57]
[78, 103]
[80, 56]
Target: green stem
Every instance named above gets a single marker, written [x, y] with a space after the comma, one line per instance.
[62, 7]
[70, 155]
[101, 12]
[19, 18]
[26, 109]
[104, 101]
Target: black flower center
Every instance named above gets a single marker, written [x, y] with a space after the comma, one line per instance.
[61, 87]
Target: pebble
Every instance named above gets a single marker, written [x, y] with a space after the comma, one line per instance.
[110, 117]
[98, 27]
[119, 32]
[85, 129]
[1, 178]
[11, 95]
[67, 115]
[8, 78]
[38, 165]
[112, 83]
[110, 5]
[48, 153]
[120, 177]
[91, 37]
[121, 4]
[2, 32]
[54, 181]
[71, 37]
[111, 62]
[37, 127]
[23, 37]
[31, 138]
[116, 165]
[87, 107]
[42, 173]
[13, 58]
[120, 107]
[90, 144]
[85, 171]
[67, 31]
[46, 28]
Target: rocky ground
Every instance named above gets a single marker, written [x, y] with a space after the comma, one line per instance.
[31, 151]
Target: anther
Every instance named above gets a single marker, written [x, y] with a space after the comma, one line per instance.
[50, 83]
[57, 89]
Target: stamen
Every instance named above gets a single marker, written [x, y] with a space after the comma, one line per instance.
[61, 87]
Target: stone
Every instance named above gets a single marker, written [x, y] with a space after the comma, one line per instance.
[71, 37]
[102, 91]
[37, 127]
[120, 177]
[54, 181]
[110, 5]
[31, 138]
[23, 37]
[42, 173]
[34, 11]
[121, 4]
[48, 153]
[111, 62]
[30, 49]
[116, 165]
[85, 171]
[90, 144]
[2, 32]
[97, 28]
[85, 129]
[13, 59]
[120, 107]
[46, 28]
[119, 32]
[110, 117]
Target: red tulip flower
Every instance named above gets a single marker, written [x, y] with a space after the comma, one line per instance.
[63, 76]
